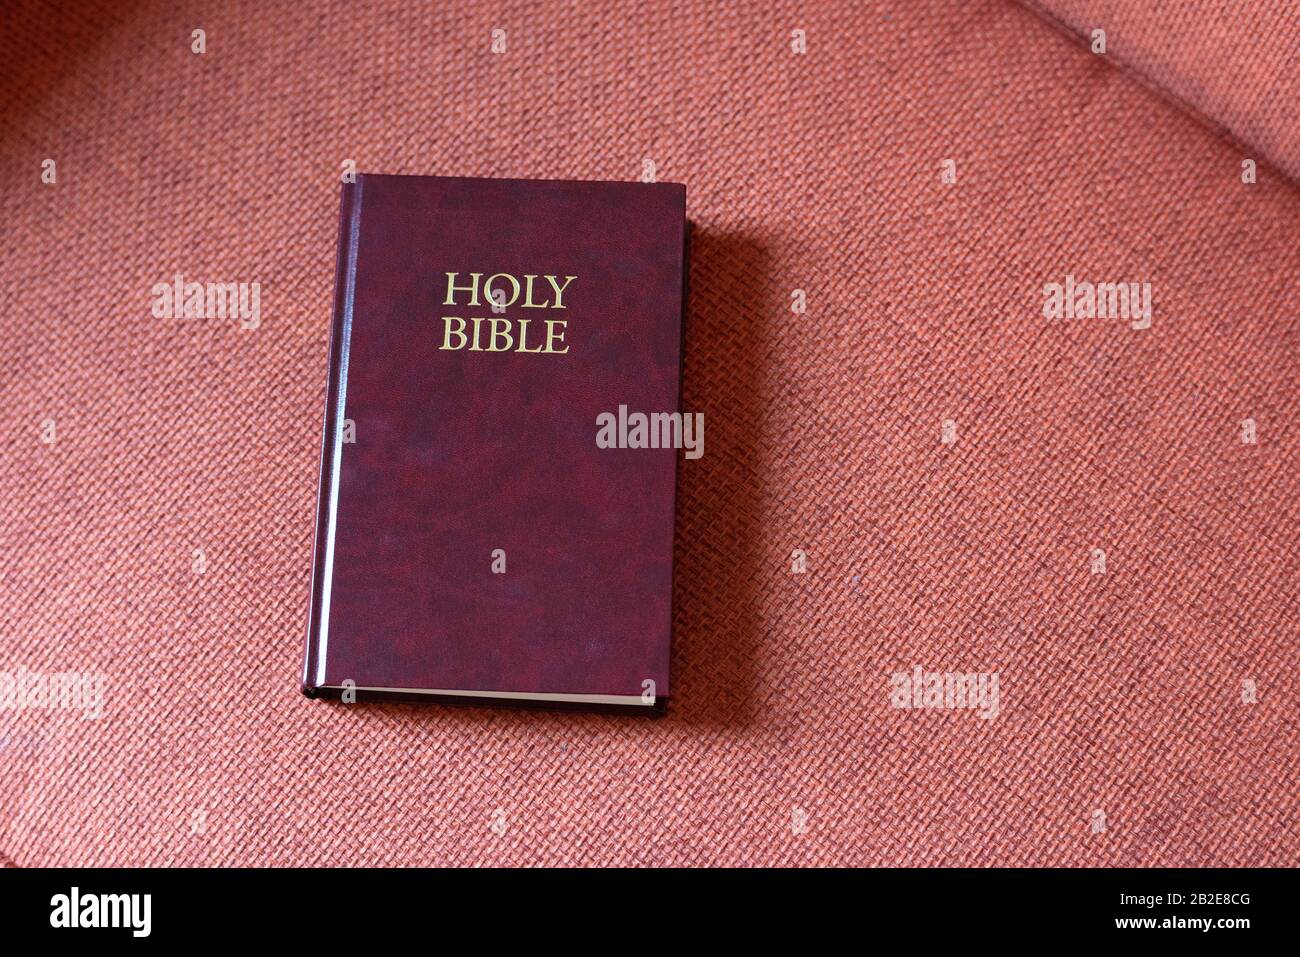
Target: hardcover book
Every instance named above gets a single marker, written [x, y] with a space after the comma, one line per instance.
[474, 539]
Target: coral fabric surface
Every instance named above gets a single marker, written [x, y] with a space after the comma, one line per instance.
[1125, 734]
[1235, 64]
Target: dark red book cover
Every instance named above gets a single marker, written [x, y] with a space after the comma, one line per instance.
[473, 540]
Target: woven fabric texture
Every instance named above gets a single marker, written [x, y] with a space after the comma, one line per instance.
[1235, 65]
[1126, 732]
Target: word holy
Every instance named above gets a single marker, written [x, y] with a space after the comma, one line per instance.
[500, 334]
[213, 300]
[68, 690]
[946, 689]
[103, 910]
[1103, 300]
[658, 430]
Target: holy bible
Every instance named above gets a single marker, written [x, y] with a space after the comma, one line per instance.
[474, 541]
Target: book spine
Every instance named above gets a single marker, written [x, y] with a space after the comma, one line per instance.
[332, 438]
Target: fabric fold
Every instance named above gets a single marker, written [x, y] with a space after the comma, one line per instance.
[1235, 65]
